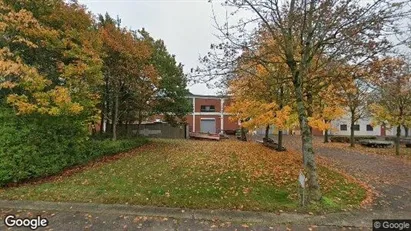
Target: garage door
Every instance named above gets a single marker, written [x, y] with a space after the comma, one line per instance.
[208, 126]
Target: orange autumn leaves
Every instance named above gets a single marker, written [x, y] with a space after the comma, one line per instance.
[254, 161]
[260, 113]
[393, 79]
[265, 97]
[49, 64]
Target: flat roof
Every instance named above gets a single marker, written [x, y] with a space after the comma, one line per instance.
[207, 96]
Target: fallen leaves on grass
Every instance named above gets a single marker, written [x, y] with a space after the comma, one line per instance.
[190, 174]
[370, 193]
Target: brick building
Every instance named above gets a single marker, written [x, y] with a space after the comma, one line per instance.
[208, 115]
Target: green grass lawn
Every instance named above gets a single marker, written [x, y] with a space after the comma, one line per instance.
[196, 174]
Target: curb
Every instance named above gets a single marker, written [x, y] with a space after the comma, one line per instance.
[345, 219]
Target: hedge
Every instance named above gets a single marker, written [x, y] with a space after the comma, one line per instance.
[346, 139]
[22, 163]
[36, 146]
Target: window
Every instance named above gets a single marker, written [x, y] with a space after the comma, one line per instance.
[207, 108]
[369, 128]
[356, 127]
[343, 127]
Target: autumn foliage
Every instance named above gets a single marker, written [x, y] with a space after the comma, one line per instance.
[393, 104]
[63, 69]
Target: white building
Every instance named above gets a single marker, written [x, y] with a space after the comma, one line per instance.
[362, 127]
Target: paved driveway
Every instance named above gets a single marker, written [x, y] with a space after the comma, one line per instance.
[390, 177]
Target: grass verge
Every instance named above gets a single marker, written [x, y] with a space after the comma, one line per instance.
[197, 174]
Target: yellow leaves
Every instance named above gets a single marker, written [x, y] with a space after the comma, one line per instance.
[382, 115]
[42, 98]
[30, 32]
[21, 103]
[76, 108]
[318, 123]
[282, 117]
[321, 120]
[54, 111]
[60, 96]
[3, 26]
[27, 42]
[7, 85]
[13, 98]
[54, 102]
[259, 114]
[65, 32]
[25, 76]
[334, 112]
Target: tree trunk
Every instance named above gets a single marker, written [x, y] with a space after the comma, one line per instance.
[102, 119]
[406, 130]
[280, 141]
[115, 117]
[267, 131]
[140, 120]
[104, 107]
[280, 132]
[314, 192]
[128, 128]
[326, 136]
[397, 140]
[243, 135]
[352, 137]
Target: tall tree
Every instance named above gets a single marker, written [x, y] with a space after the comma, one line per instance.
[127, 69]
[393, 106]
[355, 91]
[50, 62]
[171, 93]
[346, 31]
[262, 91]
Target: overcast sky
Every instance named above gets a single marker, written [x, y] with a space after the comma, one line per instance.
[186, 26]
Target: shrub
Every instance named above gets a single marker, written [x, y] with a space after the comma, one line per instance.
[340, 139]
[98, 148]
[38, 146]
[346, 139]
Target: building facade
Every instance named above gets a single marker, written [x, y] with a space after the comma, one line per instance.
[208, 115]
[363, 127]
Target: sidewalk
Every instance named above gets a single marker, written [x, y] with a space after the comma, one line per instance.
[81, 216]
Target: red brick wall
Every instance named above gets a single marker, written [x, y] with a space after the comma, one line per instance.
[215, 102]
[317, 132]
[189, 120]
[230, 125]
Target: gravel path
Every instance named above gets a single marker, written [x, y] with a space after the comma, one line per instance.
[390, 177]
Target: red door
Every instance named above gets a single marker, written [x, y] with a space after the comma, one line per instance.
[382, 130]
